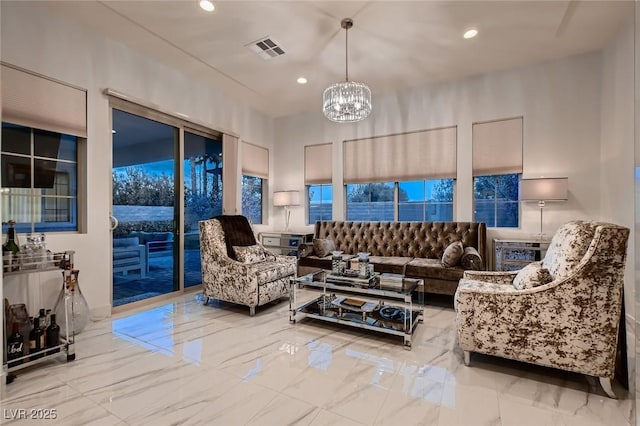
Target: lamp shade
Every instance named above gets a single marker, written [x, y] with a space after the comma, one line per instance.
[544, 189]
[286, 198]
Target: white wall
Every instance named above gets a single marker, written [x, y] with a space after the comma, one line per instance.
[617, 160]
[34, 38]
[560, 102]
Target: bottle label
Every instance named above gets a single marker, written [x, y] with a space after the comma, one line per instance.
[32, 344]
[15, 349]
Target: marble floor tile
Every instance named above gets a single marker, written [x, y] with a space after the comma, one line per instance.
[182, 362]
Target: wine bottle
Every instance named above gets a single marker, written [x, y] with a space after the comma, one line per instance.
[36, 340]
[53, 334]
[43, 319]
[15, 344]
[11, 246]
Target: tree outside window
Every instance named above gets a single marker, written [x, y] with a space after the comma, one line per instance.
[428, 200]
[252, 198]
[371, 201]
[496, 200]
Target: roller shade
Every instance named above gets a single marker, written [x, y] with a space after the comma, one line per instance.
[497, 147]
[255, 160]
[230, 180]
[317, 164]
[419, 155]
[34, 101]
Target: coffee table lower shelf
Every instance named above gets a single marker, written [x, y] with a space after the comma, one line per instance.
[353, 318]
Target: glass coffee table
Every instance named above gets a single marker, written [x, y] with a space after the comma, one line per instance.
[383, 303]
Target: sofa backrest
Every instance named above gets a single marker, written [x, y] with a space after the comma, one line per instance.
[406, 239]
[125, 242]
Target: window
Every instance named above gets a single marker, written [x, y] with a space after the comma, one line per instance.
[320, 199]
[426, 200]
[252, 198]
[39, 179]
[370, 201]
[496, 200]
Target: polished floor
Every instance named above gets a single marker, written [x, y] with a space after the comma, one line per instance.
[180, 362]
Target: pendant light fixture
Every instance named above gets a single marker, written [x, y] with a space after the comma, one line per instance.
[348, 101]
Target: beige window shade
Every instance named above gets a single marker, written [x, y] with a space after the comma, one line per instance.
[409, 156]
[317, 164]
[255, 160]
[230, 181]
[497, 147]
[34, 101]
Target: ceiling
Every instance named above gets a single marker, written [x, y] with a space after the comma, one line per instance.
[394, 45]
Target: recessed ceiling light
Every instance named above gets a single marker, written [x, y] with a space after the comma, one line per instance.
[301, 80]
[207, 5]
[470, 33]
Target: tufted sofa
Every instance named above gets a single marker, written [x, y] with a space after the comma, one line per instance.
[570, 322]
[414, 249]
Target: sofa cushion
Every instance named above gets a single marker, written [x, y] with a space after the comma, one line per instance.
[249, 254]
[471, 259]
[323, 246]
[432, 268]
[267, 272]
[532, 275]
[390, 264]
[452, 254]
[121, 254]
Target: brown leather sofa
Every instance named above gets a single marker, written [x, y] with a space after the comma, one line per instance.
[414, 249]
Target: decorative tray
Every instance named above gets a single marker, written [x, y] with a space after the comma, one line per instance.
[354, 305]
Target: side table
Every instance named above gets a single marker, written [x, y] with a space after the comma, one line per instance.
[514, 254]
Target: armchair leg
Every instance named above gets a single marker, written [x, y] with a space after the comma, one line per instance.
[205, 300]
[606, 387]
[467, 358]
[252, 311]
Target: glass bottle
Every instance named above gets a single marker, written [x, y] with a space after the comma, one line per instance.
[53, 334]
[73, 300]
[15, 346]
[36, 340]
[10, 248]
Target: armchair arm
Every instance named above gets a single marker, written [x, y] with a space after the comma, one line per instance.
[491, 277]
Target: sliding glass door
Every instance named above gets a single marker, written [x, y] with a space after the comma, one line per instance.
[166, 177]
[144, 195]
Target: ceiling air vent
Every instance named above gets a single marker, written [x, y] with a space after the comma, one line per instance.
[266, 48]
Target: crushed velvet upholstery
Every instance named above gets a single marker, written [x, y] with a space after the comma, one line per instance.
[570, 323]
[226, 279]
[401, 248]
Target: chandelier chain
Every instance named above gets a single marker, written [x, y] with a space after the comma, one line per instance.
[346, 53]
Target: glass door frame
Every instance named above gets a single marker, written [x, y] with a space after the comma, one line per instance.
[182, 126]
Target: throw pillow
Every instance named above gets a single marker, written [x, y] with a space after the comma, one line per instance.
[471, 259]
[531, 276]
[323, 246]
[249, 254]
[452, 254]
[305, 250]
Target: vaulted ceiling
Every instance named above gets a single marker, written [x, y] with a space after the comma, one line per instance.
[394, 45]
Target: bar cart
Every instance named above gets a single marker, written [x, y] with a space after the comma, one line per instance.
[21, 264]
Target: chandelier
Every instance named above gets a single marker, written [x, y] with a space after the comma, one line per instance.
[348, 101]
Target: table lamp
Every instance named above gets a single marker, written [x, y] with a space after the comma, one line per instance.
[543, 189]
[286, 199]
